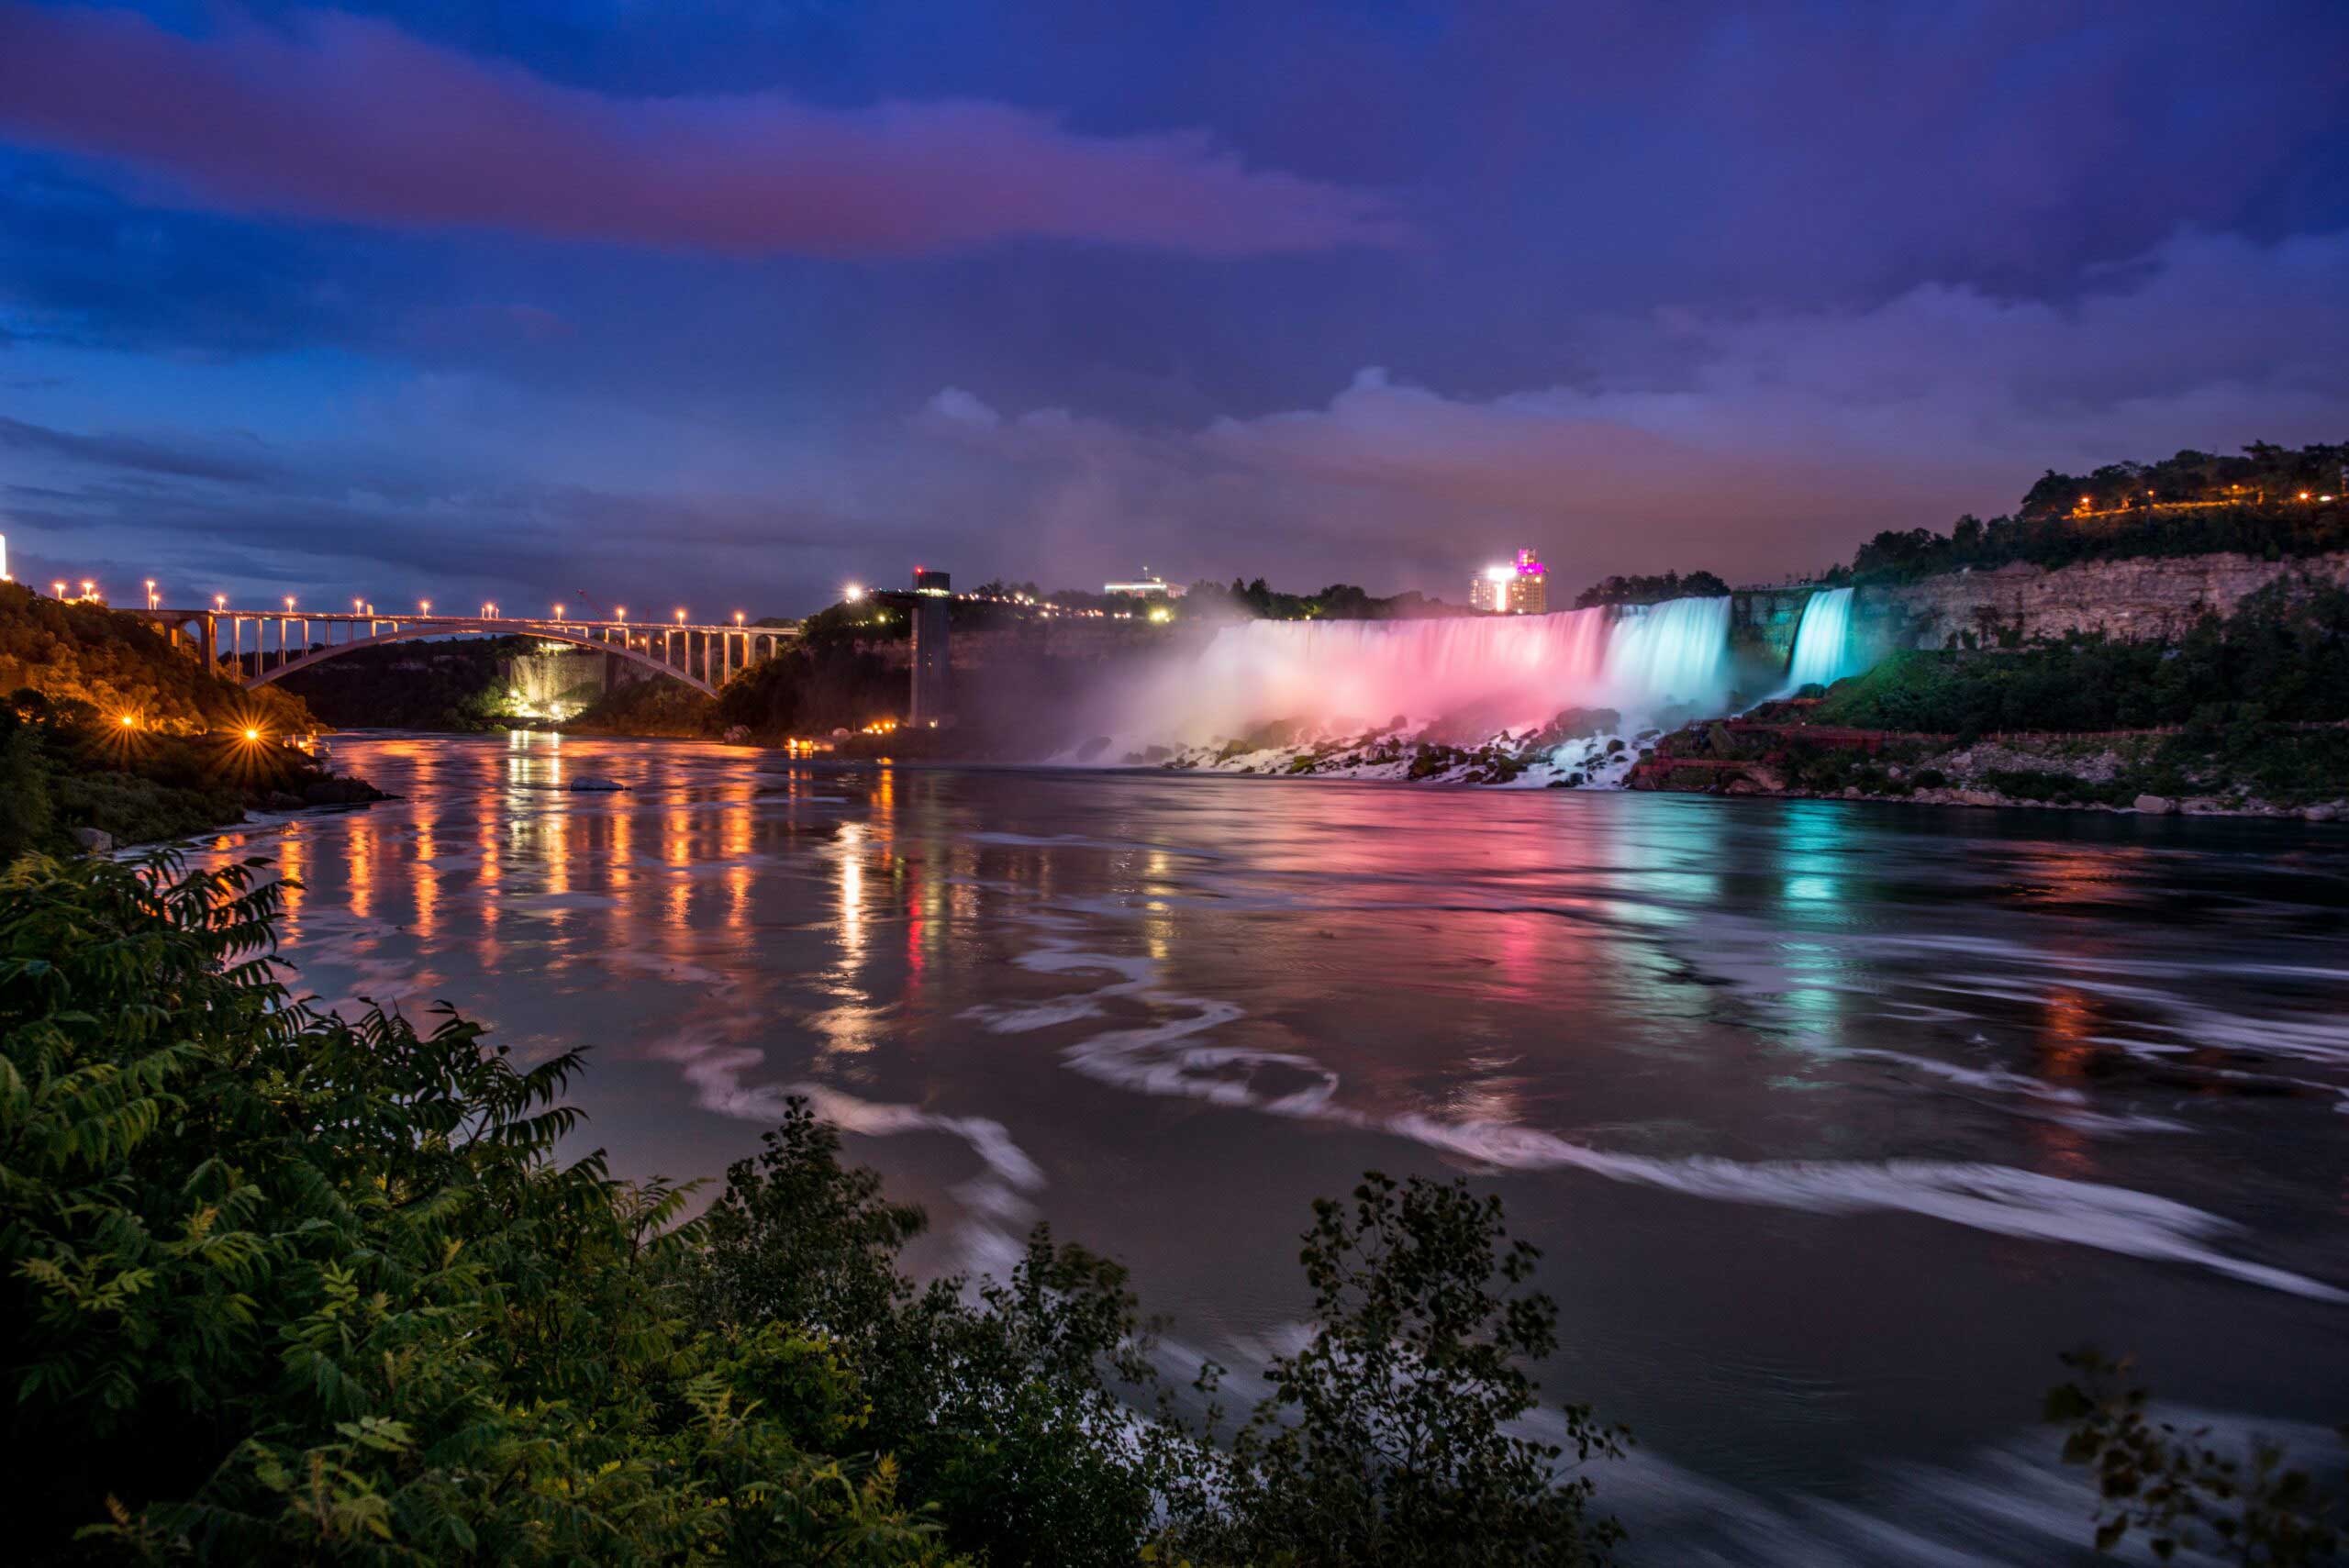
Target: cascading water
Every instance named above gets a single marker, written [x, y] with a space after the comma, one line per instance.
[1483, 674]
[1822, 642]
[1674, 652]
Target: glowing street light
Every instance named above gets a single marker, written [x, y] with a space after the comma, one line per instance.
[681, 618]
[358, 605]
[557, 612]
[620, 612]
[853, 593]
[738, 617]
[424, 606]
[219, 600]
[129, 721]
[58, 589]
[89, 589]
[289, 604]
[151, 593]
[252, 734]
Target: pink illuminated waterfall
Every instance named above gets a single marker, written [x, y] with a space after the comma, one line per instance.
[1495, 673]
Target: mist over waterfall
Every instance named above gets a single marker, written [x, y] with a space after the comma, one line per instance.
[1486, 672]
[1822, 642]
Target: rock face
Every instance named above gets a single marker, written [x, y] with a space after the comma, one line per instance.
[2155, 804]
[2138, 600]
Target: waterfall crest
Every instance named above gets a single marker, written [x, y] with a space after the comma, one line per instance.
[1822, 642]
[1492, 673]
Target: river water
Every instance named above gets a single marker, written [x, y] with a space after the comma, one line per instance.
[1835, 1122]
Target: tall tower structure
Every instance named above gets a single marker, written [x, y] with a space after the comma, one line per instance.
[933, 668]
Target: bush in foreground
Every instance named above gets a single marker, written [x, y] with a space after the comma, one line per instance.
[279, 1287]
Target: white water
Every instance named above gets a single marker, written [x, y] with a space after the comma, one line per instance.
[1822, 643]
[1490, 673]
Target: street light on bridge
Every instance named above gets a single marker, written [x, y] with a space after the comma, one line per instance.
[219, 600]
[620, 612]
[681, 618]
[557, 612]
[289, 604]
[424, 606]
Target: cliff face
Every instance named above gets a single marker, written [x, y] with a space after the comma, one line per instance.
[2138, 600]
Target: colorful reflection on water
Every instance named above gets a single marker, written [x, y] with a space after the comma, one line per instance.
[1835, 1122]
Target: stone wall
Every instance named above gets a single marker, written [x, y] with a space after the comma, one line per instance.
[2144, 599]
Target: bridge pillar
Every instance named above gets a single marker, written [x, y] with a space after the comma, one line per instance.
[933, 673]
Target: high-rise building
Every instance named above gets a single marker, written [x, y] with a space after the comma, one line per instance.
[1518, 588]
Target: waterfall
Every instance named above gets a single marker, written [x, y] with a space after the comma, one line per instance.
[1484, 674]
[1677, 651]
[1822, 642]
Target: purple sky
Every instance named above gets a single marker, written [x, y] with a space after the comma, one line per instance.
[725, 305]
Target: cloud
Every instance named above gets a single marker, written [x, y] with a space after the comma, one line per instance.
[133, 453]
[1774, 443]
[348, 118]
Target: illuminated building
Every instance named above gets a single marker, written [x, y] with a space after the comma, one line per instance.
[1147, 588]
[1518, 588]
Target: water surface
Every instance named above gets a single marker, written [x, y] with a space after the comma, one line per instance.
[1834, 1122]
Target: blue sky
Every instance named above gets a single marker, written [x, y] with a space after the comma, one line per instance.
[726, 304]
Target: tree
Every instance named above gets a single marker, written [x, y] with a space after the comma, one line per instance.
[1385, 1439]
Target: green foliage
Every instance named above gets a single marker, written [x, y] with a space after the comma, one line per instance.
[450, 685]
[1637, 590]
[812, 690]
[85, 654]
[281, 1286]
[63, 767]
[654, 706]
[1385, 1439]
[2177, 1492]
[2282, 656]
[2249, 503]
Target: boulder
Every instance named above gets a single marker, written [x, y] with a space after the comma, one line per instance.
[97, 840]
[2322, 813]
[2156, 805]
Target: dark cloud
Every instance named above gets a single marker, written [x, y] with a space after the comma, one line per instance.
[351, 118]
[134, 453]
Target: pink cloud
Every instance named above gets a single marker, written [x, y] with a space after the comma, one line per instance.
[346, 118]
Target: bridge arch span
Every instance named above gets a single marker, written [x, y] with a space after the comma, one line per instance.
[488, 628]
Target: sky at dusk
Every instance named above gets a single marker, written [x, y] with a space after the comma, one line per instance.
[726, 304]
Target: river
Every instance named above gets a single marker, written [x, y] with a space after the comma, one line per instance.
[1835, 1122]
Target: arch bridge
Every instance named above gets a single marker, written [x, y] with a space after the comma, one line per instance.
[703, 657]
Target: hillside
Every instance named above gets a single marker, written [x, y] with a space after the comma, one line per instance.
[106, 727]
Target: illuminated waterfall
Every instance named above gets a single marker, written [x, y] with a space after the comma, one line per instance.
[1822, 642]
[1484, 673]
[1677, 651]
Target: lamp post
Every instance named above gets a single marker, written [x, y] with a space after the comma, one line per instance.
[151, 593]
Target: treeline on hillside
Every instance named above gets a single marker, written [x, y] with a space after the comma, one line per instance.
[2260, 514]
[2282, 658]
[450, 685]
[2262, 475]
[78, 652]
[1637, 590]
[815, 686]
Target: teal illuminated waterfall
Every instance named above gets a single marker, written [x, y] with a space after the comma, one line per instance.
[1674, 652]
[1823, 641]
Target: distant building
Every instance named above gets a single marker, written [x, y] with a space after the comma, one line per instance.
[1148, 588]
[1518, 588]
